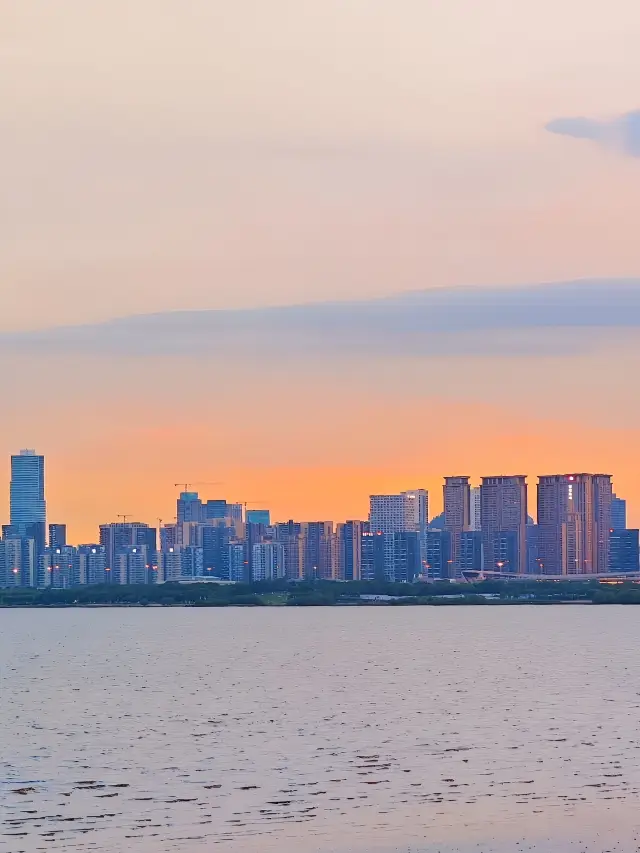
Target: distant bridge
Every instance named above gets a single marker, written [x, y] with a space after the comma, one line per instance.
[471, 576]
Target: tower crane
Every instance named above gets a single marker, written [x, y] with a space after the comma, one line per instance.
[198, 483]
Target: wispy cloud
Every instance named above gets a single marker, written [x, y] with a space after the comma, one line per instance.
[621, 133]
[483, 321]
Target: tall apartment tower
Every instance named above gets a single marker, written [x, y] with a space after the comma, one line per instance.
[319, 550]
[27, 507]
[457, 515]
[407, 512]
[349, 544]
[503, 513]
[119, 538]
[574, 523]
[267, 561]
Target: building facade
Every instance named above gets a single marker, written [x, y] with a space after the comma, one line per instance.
[474, 508]
[503, 521]
[118, 538]
[618, 513]
[574, 523]
[436, 555]
[457, 515]
[406, 512]
[624, 550]
[267, 561]
[57, 535]
[349, 536]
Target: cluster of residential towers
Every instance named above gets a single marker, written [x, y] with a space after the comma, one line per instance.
[580, 530]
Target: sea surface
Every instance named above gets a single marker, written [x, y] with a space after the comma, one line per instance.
[320, 730]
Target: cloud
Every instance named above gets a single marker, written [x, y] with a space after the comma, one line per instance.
[621, 133]
[466, 321]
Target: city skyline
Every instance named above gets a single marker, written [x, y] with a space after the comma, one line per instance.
[172, 499]
[482, 528]
[416, 201]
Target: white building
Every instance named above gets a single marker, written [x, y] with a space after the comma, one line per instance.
[180, 562]
[20, 561]
[267, 561]
[406, 512]
[475, 519]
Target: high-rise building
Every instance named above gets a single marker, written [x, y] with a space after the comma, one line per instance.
[470, 554]
[503, 519]
[57, 535]
[180, 562]
[27, 502]
[92, 564]
[320, 550]
[533, 562]
[258, 516]
[407, 512]
[215, 546]
[59, 568]
[474, 508]
[21, 561]
[624, 550]
[457, 515]
[221, 509]
[189, 508]
[28, 512]
[405, 564]
[267, 561]
[133, 565]
[618, 513]
[374, 557]
[239, 568]
[574, 518]
[118, 538]
[436, 554]
[349, 536]
[392, 557]
[290, 534]
[189, 533]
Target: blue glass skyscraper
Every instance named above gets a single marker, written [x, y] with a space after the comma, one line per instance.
[27, 502]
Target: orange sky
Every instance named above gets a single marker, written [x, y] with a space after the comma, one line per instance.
[253, 153]
[134, 471]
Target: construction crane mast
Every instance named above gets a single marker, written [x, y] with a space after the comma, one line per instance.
[199, 483]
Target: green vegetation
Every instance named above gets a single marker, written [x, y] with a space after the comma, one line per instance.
[326, 593]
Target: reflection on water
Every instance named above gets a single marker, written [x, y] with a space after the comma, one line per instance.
[320, 729]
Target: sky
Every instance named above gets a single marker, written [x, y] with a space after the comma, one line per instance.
[159, 156]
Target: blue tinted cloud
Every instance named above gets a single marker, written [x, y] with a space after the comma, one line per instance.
[483, 320]
[621, 133]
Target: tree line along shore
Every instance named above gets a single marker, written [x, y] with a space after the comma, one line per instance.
[327, 593]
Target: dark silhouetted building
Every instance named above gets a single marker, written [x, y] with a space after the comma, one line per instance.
[57, 535]
[215, 550]
[373, 556]
[623, 550]
[470, 555]
[436, 554]
[349, 545]
[618, 513]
